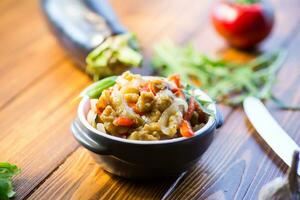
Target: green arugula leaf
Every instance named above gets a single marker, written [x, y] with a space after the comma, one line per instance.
[226, 82]
[203, 103]
[246, 1]
[7, 171]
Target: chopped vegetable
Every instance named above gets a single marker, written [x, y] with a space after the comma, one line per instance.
[200, 103]
[251, 22]
[176, 79]
[7, 171]
[124, 121]
[151, 88]
[99, 86]
[188, 115]
[114, 56]
[186, 129]
[149, 108]
[226, 82]
[247, 1]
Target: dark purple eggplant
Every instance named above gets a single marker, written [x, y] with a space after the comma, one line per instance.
[81, 25]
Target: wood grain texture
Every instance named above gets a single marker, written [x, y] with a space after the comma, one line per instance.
[27, 49]
[38, 82]
[212, 172]
[35, 126]
[81, 178]
[239, 163]
[48, 82]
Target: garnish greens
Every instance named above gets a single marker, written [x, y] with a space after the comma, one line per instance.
[113, 56]
[99, 86]
[203, 103]
[246, 1]
[226, 82]
[7, 171]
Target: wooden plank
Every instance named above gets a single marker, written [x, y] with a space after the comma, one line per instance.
[287, 16]
[72, 181]
[118, 188]
[27, 49]
[42, 105]
[160, 188]
[26, 67]
[35, 127]
[18, 27]
[161, 19]
[245, 163]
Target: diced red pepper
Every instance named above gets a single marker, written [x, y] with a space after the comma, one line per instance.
[179, 93]
[145, 88]
[188, 115]
[176, 79]
[152, 88]
[174, 89]
[124, 121]
[201, 116]
[101, 104]
[186, 129]
[148, 87]
[135, 109]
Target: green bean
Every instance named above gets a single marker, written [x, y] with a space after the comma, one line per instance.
[99, 86]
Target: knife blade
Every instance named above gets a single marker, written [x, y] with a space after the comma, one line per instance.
[269, 129]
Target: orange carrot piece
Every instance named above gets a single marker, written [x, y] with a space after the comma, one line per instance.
[124, 121]
[186, 129]
[101, 104]
[176, 79]
[179, 93]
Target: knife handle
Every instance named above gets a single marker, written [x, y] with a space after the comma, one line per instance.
[103, 8]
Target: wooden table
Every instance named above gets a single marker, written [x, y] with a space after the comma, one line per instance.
[38, 82]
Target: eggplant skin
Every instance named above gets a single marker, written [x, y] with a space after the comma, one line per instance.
[77, 26]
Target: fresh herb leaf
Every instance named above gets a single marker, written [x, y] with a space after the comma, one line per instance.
[246, 1]
[283, 105]
[113, 56]
[226, 82]
[203, 103]
[7, 171]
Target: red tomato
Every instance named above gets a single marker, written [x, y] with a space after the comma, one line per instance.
[243, 25]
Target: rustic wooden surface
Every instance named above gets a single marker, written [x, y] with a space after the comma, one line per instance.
[38, 82]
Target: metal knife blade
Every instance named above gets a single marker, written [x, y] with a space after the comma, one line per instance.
[269, 129]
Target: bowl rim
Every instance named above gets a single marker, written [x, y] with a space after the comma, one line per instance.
[82, 118]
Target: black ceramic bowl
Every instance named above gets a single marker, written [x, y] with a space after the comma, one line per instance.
[144, 159]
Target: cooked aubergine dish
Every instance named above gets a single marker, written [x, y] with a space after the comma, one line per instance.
[139, 107]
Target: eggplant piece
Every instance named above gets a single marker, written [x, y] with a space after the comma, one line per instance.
[81, 25]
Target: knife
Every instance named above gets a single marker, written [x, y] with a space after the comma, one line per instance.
[269, 129]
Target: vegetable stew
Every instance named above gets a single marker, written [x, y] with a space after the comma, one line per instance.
[146, 108]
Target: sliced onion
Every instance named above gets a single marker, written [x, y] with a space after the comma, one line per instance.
[182, 104]
[165, 92]
[179, 105]
[93, 103]
[121, 81]
[91, 118]
[100, 127]
[137, 82]
[123, 106]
